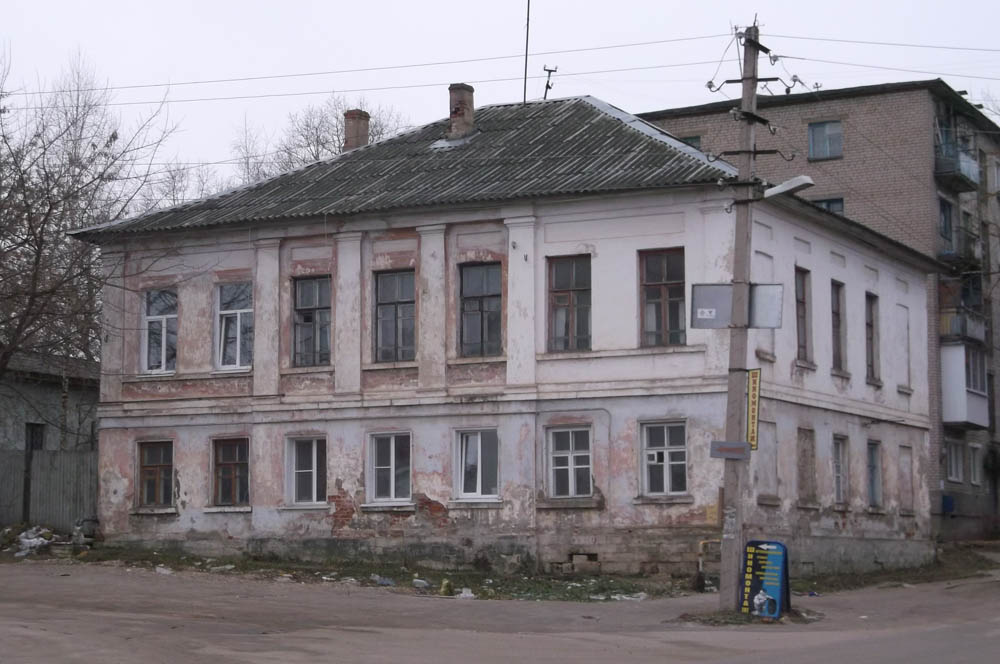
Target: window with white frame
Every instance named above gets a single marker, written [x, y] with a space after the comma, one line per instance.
[306, 475]
[664, 458]
[390, 467]
[159, 330]
[826, 140]
[874, 474]
[569, 462]
[976, 464]
[478, 464]
[235, 325]
[840, 470]
[975, 369]
[953, 461]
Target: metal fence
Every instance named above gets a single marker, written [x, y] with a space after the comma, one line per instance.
[63, 487]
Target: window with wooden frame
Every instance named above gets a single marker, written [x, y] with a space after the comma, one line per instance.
[662, 284]
[826, 140]
[482, 310]
[804, 351]
[235, 325]
[395, 317]
[159, 331]
[874, 473]
[232, 472]
[312, 322]
[837, 325]
[389, 461]
[840, 470]
[306, 476]
[478, 459]
[664, 458]
[156, 473]
[569, 303]
[569, 463]
[871, 337]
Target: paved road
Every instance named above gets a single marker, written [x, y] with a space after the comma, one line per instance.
[59, 612]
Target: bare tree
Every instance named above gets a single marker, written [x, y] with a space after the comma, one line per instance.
[180, 183]
[66, 161]
[312, 134]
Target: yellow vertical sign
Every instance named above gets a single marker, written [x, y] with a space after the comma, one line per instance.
[753, 406]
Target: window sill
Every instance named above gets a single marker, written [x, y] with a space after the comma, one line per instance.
[875, 510]
[154, 511]
[807, 505]
[874, 382]
[304, 507]
[151, 375]
[955, 480]
[230, 372]
[624, 352]
[318, 368]
[475, 504]
[768, 500]
[905, 390]
[388, 507]
[675, 499]
[840, 373]
[379, 366]
[477, 360]
[582, 503]
[226, 509]
[765, 356]
[907, 513]
[841, 507]
[834, 158]
[805, 364]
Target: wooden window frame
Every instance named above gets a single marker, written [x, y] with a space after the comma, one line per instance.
[841, 458]
[162, 475]
[315, 356]
[873, 369]
[838, 329]
[400, 353]
[573, 307]
[802, 311]
[669, 335]
[222, 468]
[482, 302]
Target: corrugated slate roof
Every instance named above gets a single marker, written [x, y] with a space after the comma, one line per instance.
[577, 145]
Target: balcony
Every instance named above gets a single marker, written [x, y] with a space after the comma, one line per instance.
[956, 168]
[964, 403]
[963, 324]
[965, 249]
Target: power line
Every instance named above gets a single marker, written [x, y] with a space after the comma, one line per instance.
[372, 89]
[881, 43]
[903, 69]
[369, 69]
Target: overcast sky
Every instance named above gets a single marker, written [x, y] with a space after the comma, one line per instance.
[134, 42]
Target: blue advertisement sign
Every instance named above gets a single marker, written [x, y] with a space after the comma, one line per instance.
[765, 592]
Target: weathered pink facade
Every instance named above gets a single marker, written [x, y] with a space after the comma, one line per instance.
[523, 394]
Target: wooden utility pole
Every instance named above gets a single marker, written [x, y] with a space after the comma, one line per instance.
[736, 396]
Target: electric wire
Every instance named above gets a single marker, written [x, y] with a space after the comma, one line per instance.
[887, 68]
[882, 43]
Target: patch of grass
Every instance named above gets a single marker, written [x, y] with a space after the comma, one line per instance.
[955, 562]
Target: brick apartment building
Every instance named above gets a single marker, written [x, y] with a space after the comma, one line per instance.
[919, 163]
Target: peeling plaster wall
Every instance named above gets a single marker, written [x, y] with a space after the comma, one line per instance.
[611, 390]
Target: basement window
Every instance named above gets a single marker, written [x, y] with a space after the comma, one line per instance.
[570, 463]
[232, 472]
[664, 459]
[156, 469]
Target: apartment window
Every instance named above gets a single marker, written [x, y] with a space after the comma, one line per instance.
[307, 470]
[396, 321]
[312, 321]
[664, 459]
[874, 474]
[834, 205]
[235, 325]
[976, 464]
[390, 463]
[693, 141]
[972, 292]
[232, 472]
[840, 470]
[481, 310]
[975, 369]
[837, 324]
[156, 472]
[871, 337]
[569, 303]
[569, 461]
[802, 313]
[953, 461]
[159, 330]
[478, 454]
[826, 140]
[945, 216]
[34, 436]
[663, 311]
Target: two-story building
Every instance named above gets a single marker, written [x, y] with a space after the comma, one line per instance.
[919, 163]
[470, 343]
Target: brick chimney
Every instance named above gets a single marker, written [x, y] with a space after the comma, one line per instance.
[355, 128]
[461, 116]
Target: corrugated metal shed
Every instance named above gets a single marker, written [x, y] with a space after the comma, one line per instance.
[577, 145]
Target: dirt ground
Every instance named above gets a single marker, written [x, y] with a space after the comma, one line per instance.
[52, 611]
